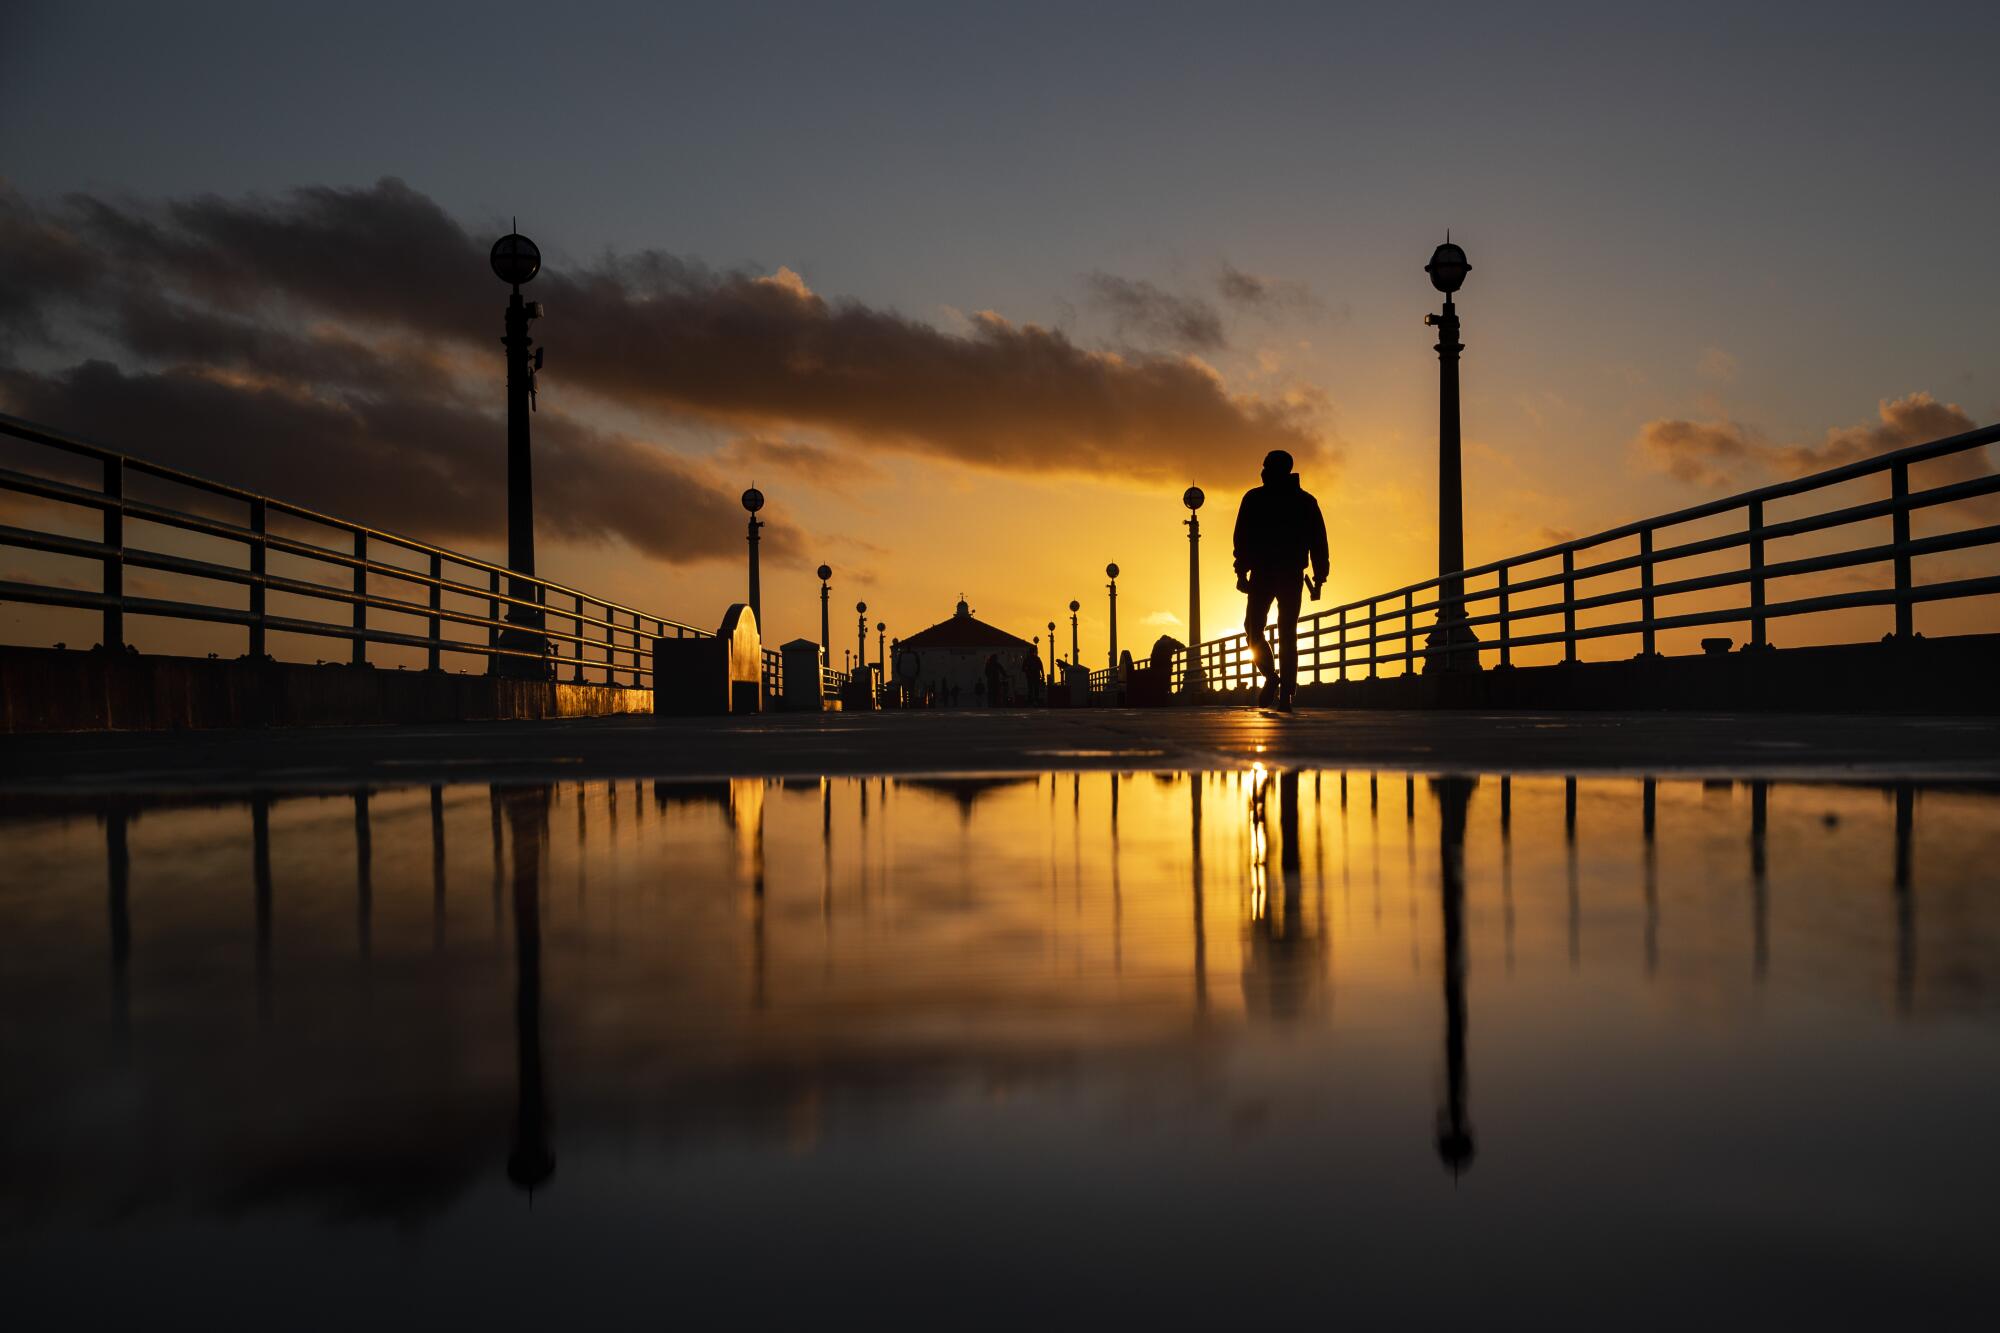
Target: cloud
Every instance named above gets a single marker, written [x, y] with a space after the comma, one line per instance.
[1723, 453]
[1138, 307]
[823, 467]
[1706, 454]
[1269, 295]
[332, 300]
[1900, 422]
[1716, 364]
[349, 453]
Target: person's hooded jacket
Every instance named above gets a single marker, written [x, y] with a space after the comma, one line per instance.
[1279, 530]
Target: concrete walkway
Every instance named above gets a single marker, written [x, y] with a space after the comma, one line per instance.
[1772, 745]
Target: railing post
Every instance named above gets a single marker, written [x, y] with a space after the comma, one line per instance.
[1410, 632]
[434, 659]
[493, 614]
[359, 655]
[114, 562]
[1756, 575]
[1647, 633]
[1374, 642]
[576, 628]
[1506, 648]
[1569, 604]
[1899, 491]
[1343, 643]
[258, 651]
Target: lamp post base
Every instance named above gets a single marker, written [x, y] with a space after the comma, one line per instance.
[1451, 646]
[524, 639]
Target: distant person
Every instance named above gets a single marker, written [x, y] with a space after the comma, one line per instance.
[1278, 531]
[1031, 667]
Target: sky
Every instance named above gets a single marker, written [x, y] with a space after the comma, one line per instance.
[973, 292]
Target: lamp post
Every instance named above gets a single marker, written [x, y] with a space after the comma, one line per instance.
[1111, 572]
[1075, 653]
[861, 636]
[1191, 681]
[1052, 650]
[825, 635]
[515, 260]
[881, 657]
[1452, 644]
[753, 500]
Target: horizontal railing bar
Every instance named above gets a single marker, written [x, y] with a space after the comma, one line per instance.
[83, 600]
[48, 488]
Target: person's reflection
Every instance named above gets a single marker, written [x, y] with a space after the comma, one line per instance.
[1454, 1129]
[1281, 960]
[532, 1159]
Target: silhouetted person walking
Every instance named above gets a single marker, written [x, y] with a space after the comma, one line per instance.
[1278, 531]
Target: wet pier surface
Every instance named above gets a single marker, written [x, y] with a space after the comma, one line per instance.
[1095, 1018]
[1947, 748]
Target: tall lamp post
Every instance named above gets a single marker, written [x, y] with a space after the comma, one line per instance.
[861, 636]
[1111, 572]
[1191, 679]
[825, 635]
[1452, 644]
[1052, 650]
[881, 655]
[515, 260]
[1075, 652]
[753, 500]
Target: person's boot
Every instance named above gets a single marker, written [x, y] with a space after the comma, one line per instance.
[1267, 693]
[1285, 700]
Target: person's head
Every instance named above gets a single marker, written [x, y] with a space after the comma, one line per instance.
[1277, 464]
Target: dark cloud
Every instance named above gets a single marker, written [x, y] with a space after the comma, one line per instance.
[1140, 309]
[1724, 454]
[827, 468]
[329, 302]
[1701, 454]
[1252, 292]
[352, 454]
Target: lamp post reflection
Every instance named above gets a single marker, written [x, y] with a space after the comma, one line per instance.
[1454, 1129]
[532, 1159]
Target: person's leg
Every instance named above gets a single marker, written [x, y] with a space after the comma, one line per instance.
[1257, 612]
[1290, 593]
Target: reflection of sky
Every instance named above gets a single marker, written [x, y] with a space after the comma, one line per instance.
[1692, 212]
[1010, 1027]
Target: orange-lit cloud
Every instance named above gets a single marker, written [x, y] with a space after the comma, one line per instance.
[1723, 454]
[158, 290]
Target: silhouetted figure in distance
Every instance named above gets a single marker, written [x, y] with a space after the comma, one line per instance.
[1278, 531]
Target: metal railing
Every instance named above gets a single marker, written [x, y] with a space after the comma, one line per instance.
[592, 640]
[1358, 639]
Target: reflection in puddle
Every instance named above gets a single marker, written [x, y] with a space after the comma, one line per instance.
[1080, 1026]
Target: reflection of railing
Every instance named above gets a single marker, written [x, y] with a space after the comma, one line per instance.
[1390, 628]
[590, 639]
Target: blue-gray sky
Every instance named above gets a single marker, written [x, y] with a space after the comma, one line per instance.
[1762, 221]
